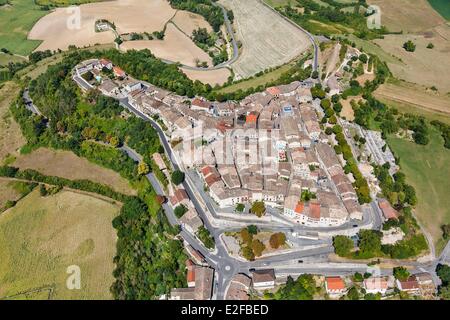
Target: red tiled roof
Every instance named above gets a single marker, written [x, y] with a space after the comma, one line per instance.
[252, 117]
[104, 62]
[179, 195]
[335, 283]
[118, 71]
[274, 91]
[190, 277]
[211, 179]
[206, 171]
[388, 211]
[200, 103]
[299, 207]
[410, 284]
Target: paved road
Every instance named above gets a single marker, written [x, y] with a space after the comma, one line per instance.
[29, 103]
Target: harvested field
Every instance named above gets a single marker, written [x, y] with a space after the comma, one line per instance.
[408, 15]
[267, 39]
[212, 77]
[67, 165]
[414, 95]
[425, 66]
[175, 47]
[42, 237]
[127, 15]
[11, 138]
[188, 22]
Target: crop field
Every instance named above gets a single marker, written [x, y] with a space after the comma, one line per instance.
[267, 39]
[42, 236]
[67, 165]
[11, 138]
[427, 169]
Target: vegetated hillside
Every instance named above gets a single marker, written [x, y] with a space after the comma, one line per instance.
[149, 261]
[426, 168]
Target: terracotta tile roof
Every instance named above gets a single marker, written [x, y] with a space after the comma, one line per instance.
[410, 284]
[273, 91]
[190, 277]
[200, 103]
[299, 207]
[104, 62]
[386, 208]
[335, 283]
[179, 195]
[118, 71]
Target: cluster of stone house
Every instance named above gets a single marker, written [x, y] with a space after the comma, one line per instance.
[269, 147]
[420, 284]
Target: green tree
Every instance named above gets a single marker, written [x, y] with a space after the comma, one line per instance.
[353, 293]
[409, 46]
[143, 168]
[342, 245]
[252, 229]
[177, 177]
[277, 240]
[401, 273]
[240, 207]
[180, 210]
[258, 247]
[258, 208]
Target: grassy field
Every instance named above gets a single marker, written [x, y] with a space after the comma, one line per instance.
[41, 237]
[11, 138]
[15, 23]
[427, 169]
[257, 81]
[7, 58]
[67, 165]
